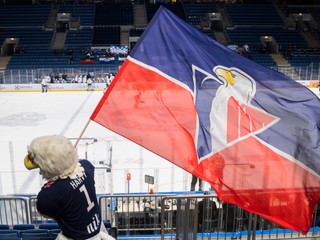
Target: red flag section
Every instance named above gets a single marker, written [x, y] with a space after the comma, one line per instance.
[146, 108]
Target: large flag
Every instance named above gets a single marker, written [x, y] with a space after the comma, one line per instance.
[251, 132]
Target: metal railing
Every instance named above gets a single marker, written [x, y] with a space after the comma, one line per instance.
[14, 210]
[166, 216]
[25, 76]
[310, 72]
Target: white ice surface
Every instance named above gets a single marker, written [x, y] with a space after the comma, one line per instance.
[25, 116]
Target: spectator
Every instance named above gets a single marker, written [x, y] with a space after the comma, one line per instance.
[71, 58]
[194, 182]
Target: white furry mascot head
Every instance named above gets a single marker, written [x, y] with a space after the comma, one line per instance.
[55, 156]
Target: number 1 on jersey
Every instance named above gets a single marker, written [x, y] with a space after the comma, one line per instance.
[85, 191]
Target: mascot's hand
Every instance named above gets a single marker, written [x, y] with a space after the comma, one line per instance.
[29, 163]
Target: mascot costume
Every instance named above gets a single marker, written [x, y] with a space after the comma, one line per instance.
[69, 195]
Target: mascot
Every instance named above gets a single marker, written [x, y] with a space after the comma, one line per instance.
[69, 195]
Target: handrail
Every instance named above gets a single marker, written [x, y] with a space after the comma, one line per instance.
[165, 216]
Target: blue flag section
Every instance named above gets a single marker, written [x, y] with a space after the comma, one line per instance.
[251, 132]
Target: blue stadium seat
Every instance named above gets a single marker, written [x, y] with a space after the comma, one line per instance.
[39, 238]
[11, 238]
[23, 226]
[34, 233]
[4, 226]
[49, 226]
[8, 234]
[107, 224]
[54, 232]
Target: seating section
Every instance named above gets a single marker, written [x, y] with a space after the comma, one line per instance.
[195, 12]
[79, 38]
[176, 8]
[253, 14]
[45, 231]
[41, 231]
[28, 37]
[101, 24]
[40, 58]
[252, 36]
[24, 15]
[261, 20]
[113, 14]
[106, 35]
[313, 10]
[27, 234]
[82, 12]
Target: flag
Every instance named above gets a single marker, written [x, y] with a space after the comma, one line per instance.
[251, 132]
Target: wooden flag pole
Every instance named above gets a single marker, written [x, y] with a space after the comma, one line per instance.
[82, 132]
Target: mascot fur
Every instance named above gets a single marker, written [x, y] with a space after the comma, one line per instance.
[69, 195]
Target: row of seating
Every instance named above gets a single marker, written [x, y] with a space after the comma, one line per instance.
[45, 231]
[28, 15]
[95, 32]
[28, 234]
[84, 12]
[27, 226]
[113, 14]
[256, 14]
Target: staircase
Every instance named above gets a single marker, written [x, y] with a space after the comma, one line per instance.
[226, 18]
[285, 67]
[140, 16]
[52, 18]
[280, 60]
[124, 35]
[311, 40]
[4, 60]
[59, 40]
[221, 37]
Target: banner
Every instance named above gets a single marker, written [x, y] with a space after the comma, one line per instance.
[251, 132]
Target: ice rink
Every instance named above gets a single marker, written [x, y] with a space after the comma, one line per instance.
[27, 115]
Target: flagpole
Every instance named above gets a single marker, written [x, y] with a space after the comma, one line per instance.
[82, 132]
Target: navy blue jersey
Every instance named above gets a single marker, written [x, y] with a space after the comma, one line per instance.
[73, 204]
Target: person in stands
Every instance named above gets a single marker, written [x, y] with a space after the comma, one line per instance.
[194, 182]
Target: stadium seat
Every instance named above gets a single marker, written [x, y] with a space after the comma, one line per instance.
[38, 238]
[54, 232]
[23, 226]
[49, 226]
[9, 234]
[34, 233]
[4, 226]
[107, 224]
[11, 238]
